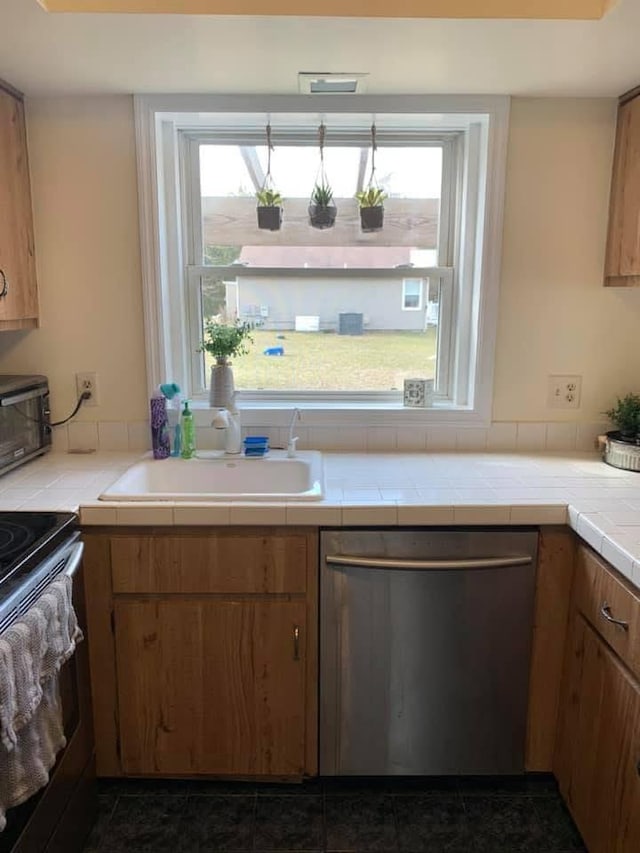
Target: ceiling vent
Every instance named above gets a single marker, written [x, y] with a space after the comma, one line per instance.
[331, 83]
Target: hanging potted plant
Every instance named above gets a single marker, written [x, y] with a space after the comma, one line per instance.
[269, 207]
[223, 341]
[322, 210]
[371, 198]
[371, 208]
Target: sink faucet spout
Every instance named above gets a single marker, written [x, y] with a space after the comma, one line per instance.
[291, 443]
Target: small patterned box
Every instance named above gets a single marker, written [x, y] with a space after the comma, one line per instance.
[418, 393]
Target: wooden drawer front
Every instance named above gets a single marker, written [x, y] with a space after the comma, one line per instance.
[225, 563]
[597, 586]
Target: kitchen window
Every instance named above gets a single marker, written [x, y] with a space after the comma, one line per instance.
[329, 330]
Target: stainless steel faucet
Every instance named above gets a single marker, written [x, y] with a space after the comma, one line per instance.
[291, 443]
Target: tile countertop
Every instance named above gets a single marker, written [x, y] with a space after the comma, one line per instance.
[599, 502]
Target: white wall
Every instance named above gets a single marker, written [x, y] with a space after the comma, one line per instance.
[83, 176]
[555, 316]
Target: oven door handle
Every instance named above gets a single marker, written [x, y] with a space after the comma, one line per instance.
[74, 560]
[12, 399]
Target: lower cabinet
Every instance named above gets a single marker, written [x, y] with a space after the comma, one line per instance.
[211, 686]
[597, 760]
[203, 648]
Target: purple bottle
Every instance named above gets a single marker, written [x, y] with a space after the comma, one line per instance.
[159, 428]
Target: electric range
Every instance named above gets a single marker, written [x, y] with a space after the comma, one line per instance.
[29, 545]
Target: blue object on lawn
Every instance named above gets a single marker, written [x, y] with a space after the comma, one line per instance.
[273, 351]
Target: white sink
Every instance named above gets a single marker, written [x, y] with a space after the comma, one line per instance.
[218, 477]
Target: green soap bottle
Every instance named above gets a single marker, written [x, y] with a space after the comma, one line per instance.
[188, 432]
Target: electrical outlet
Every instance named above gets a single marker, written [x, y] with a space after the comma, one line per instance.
[88, 382]
[564, 392]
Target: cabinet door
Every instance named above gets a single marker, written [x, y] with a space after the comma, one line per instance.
[18, 293]
[622, 263]
[599, 744]
[211, 687]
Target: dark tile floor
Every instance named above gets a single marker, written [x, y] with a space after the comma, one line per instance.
[434, 815]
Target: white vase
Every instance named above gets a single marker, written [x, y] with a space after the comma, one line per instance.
[221, 388]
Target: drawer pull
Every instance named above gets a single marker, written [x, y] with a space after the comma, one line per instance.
[296, 642]
[605, 611]
[5, 284]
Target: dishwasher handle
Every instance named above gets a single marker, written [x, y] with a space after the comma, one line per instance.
[427, 565]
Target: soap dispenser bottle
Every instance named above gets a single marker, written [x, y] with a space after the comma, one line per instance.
[188, 432]
[159, 427]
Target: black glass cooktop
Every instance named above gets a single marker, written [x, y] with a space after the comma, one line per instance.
[26, 538]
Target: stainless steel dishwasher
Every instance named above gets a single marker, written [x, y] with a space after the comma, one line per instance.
[425, 641]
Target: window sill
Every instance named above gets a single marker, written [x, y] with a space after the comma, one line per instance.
[277, 413]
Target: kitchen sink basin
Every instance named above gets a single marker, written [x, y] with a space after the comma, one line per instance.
[216, 476]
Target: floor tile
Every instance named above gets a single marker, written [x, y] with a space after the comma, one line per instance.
[530, 784]
[289, 823]
[559, 830]
[106, 806]
[360, 823]
[144, 825]
[433, 823]
[504, 824]
[210, 824]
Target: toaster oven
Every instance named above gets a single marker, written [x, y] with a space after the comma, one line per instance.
[25, 419]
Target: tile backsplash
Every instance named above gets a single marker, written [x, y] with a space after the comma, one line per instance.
[499, 436]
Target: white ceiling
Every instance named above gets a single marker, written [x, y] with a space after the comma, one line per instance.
[44, 53]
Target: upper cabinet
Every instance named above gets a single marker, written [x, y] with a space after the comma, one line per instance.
[18, 288]
[622, 263]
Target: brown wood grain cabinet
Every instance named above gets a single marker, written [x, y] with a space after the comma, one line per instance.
[597, 758]
[207, 664]
[622, 262]
[18, 288]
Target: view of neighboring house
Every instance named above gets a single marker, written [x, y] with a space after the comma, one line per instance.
[331, 303]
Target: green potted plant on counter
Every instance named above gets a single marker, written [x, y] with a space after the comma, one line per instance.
[625, 415]
[224, 341]
[621, 446]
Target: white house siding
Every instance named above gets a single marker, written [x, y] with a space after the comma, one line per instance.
[277, 302]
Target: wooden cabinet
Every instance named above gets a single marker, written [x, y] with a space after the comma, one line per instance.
[18, 289]
[622, 262]
[597, 759]
[207, 662]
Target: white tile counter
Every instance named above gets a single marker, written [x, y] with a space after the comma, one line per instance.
[601, 503]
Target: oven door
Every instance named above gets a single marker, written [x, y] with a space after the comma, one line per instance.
[59, 817]
[24, 426]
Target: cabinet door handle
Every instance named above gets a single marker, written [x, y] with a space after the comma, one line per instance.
[605, 611]
[296, 642]
[5, 284]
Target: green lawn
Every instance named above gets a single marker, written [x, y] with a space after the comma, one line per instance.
[315, 361]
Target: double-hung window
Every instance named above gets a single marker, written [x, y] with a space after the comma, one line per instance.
[339, 316]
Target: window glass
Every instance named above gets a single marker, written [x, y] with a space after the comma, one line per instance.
[319, 330]
[332, 336]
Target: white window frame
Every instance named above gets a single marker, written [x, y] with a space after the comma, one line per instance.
[469, 294]
[420, 282]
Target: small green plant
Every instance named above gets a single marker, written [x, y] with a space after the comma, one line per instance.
[322, 195]
[269, 198]
[224, 340]
[371, 197]
[625, 415]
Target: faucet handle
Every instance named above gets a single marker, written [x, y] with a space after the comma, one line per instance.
[291, 447]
